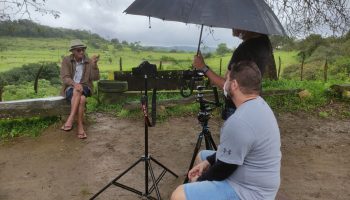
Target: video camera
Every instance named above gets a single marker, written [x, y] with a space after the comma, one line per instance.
[189, 79]
[145, 68]
[192, 74]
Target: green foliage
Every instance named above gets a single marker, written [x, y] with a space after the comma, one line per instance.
[25, 127]
[26, 90]
[318, 89]
[282, 42]
[28, 72]
[310, 44]
[311, 71]
[341, 67]
[27, 28]
[323, 114]
[168, 59]
[222, 49]
[94, 43]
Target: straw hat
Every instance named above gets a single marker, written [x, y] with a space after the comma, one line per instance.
[74, 44]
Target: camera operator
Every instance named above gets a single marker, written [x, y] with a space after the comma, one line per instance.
[247, 163]
[255, 47]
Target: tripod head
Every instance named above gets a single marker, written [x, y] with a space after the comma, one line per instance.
[204, 104]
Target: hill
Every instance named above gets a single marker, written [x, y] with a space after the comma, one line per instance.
[27, 28]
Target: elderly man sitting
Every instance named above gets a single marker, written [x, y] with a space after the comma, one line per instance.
[77, 74]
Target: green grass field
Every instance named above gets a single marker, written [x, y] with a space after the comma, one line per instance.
[20, 51]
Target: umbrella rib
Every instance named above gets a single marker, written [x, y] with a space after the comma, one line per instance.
[190, 11]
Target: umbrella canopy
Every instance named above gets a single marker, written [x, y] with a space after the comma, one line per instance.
[250, 15]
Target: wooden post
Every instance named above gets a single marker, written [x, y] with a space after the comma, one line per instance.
[1, 91]
[37, 79]
[160, 65]
[302, 66]
[220, 66]
[279, 67]
[120, 64]
[326, 71]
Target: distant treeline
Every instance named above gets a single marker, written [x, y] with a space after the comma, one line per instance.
[27, 28]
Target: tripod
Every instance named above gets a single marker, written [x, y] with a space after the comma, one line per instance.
[146, 159]
[203, 117]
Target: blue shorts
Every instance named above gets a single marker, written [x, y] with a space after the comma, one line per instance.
[209, 190]
[69, 93]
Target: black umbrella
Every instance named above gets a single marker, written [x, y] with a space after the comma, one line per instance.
[250, 15]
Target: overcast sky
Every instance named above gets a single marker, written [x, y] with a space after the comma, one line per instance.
[106, 18]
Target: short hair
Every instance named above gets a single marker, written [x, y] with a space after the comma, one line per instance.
[248, 77]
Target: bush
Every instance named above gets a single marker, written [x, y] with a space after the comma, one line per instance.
[322, 53]
[341, 66]
[27, 73]
[318, 89]
[312, 71]
[168, 59]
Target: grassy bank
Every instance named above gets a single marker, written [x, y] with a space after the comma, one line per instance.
[20, 51]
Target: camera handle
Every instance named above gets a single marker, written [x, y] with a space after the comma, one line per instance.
[185, 86]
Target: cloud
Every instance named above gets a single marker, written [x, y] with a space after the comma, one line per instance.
[106, 18]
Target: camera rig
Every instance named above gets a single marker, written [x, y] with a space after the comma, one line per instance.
[188, 81]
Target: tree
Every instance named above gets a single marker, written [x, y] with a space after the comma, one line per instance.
[310, 44]
[301, 17]
[282, 42]
[10, 9]
[135, 46]
[115, 41]
[222, 49]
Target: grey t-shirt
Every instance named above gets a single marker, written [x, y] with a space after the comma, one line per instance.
[250, 138]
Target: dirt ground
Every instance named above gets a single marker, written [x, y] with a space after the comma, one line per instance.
[57, 165]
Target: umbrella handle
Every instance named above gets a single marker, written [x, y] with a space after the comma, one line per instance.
[200, 40]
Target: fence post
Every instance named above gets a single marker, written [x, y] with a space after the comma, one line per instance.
[279, 67]
[160, 65]
[326, 71]
[37, 79]
[220, 66]
[120, 64]
[302, 66]
[1, 91]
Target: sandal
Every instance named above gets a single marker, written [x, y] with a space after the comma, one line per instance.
[82, 135]
[66, 128]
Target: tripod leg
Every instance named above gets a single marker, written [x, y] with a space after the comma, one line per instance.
[160, 164]
[195, 152]
[153, 179]
[212, 142]
[114, 180]
[209, 141]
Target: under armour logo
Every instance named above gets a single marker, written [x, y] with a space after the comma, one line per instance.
[228, 151]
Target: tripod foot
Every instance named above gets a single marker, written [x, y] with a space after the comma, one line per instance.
[147, 194]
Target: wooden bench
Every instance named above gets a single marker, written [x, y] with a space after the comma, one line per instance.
[209, 95]
[41, 107]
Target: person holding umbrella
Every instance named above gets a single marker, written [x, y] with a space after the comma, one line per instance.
[252, 21]
[255, 47]
[246, 165]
